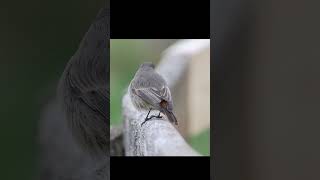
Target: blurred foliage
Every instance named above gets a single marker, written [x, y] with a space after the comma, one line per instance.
[200, 142]
[125, 58]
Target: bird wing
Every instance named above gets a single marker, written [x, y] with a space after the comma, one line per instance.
[154, 96]
[88, 113]
[97, 100]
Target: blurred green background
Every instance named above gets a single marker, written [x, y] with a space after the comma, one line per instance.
[125, 58]
[37, 40]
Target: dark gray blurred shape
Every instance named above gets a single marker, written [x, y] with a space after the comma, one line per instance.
[266, 90]
[61, 157]
[84, 90]
[74, 132]
[231, 23]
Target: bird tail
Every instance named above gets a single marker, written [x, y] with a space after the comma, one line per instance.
[171, 117]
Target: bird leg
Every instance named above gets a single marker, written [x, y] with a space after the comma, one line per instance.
[159, 116]
[148, 118]
[148, 114]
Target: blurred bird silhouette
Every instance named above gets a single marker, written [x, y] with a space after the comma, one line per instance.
[84, 90]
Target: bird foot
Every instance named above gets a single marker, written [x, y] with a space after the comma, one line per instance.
[149, 118]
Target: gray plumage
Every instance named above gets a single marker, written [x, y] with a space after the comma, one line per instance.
[149, 90]
[82, 104]
[84, 90]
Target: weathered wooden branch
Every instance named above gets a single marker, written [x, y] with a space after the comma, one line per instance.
[158, 137]
[116, 141]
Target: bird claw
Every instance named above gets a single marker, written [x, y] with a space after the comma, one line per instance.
[149, 118]
[143, 123]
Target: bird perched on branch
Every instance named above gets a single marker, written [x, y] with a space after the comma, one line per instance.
[148, 90]
[84, 89]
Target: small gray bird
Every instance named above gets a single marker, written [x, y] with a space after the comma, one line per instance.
[148, 90]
